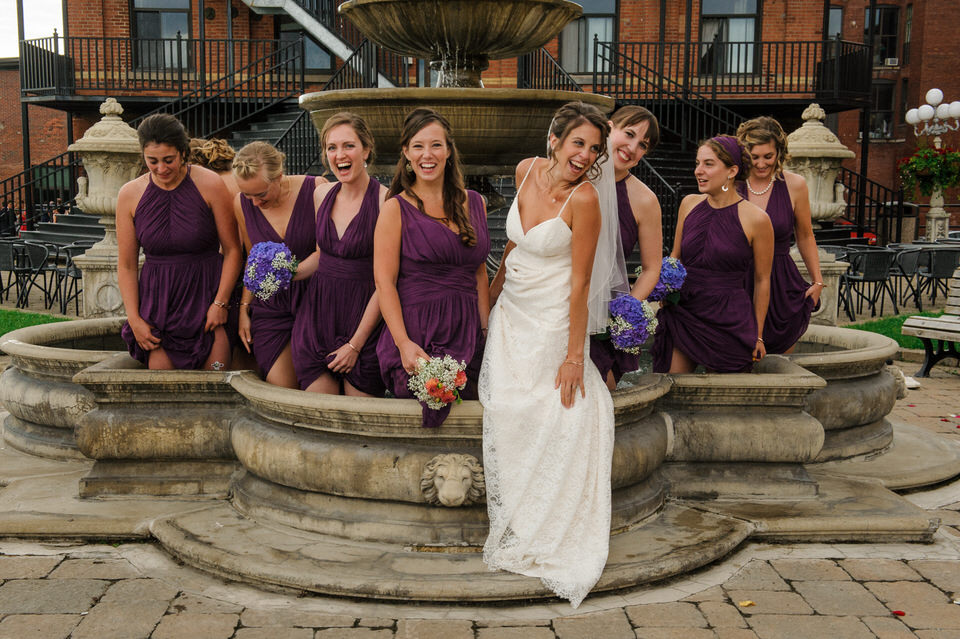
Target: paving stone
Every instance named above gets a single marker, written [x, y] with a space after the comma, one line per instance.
[943, 574]
[722, 615]
[27, 567]
[38, 626]
[880, 570]
[503, 623]
[675, 633]
[274, 632]
[121, 620]
[756, 575]
[252, 618]
[768, 602]
[938, 634]
[434, 629]
[735, 633]
[900, 595]
[609, 624]
[354, 633]
[215, 625]
[809, 570]
[40, 596]
[665, 615]
[205, 605]
[944, 616]
[376, 622]
[887, 628]
[95, 569]
[131, 590]
[714, 593]
[522, 632]
[840, 598]
[811, 627]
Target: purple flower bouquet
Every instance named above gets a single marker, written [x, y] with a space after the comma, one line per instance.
[270, 268]
[672, 275]
[631, 323]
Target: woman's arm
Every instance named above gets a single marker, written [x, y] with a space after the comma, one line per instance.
[803, 229]
[759, 232]
[214, 191]
[128, 265]
[646, 210]
[386, 267]
[483, 285]
[584, 209]
[246, 297]
[496, 285]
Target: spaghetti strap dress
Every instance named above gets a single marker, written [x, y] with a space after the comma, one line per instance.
[271, 321]
[788, 314]
[437, 285]
[713, 322]
[180, 274]
[547, 468]
[338, 294]
[602, 351]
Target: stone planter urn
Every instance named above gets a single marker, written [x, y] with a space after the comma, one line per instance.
[816, 154]
[111, 157]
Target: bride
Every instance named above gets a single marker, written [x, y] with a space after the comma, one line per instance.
[548, 416]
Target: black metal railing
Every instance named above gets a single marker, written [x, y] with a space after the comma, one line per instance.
[28, 192]
[363, 68]
[540, 70]
[133, 66]
[300, 144]
[668, 196]
[872, 207]
[819, 69]
[325, 11]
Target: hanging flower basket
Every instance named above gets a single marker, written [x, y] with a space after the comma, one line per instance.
[929, 169]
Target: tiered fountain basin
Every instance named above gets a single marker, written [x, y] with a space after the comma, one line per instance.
[350, 496]
[493, 128]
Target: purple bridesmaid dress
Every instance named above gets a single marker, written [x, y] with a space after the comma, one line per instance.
[606, 357]
[181, 272]
[713, 322]
[437, 285]
[789, 312]
[271, 322]
[338, 294]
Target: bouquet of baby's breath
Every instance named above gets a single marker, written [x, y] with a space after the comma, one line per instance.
[438, 381]
[270, 268]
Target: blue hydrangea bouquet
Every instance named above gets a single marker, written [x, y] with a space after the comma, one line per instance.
[270, 268]
[672, 275]
[631, 323]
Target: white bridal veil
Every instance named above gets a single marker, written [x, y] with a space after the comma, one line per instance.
[609, 276]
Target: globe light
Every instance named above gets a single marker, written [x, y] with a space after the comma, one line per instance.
[926, 112]
[943, 111]
[955, 109]
[934, 97]
[913, 117]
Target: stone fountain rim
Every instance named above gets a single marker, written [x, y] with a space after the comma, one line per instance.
[870, 350]
[29, 343]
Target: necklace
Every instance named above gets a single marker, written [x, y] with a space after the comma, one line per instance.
[765, 189]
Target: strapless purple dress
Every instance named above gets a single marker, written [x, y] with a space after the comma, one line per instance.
[602, 352]
[713, 322]
[181, 272]
[437, 286]
[337, 296]
[789, 312]
[271, 322]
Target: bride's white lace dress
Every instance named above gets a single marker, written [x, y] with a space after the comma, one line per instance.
[547, 468]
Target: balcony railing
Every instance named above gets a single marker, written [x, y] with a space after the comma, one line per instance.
[540, 70]
[872, 207]
[821, 69]
[133, 66]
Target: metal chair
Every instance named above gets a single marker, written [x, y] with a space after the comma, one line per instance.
[869, 269]
[51, 272]
[906, 266]
[29, 263]
[7, 263]
[934, 276]
[71, 278]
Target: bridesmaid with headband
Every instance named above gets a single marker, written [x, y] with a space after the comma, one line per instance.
[721, 239]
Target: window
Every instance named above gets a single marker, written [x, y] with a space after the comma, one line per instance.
[904, 100]
[881, 114]
[318, 58]
[907, 29]
[576, 39]
[886, 26]
[156, 24]
[835, 23]
[728, 30]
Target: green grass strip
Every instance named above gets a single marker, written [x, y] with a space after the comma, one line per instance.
[11, 320]
[891, 326]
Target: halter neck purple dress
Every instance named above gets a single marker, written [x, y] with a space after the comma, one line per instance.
[604, 355]
[181, 272]
[437, 285]
[338, 294]
[271, 322]
[789, 312]
[713, 322]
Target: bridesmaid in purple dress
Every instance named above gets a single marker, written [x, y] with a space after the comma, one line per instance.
[721, 239]
[634, 132]
[783, 195]
[180, 215]
[272, 207]
[430, 251]
[336, 332]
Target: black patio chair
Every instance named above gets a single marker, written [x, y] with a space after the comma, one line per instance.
[30, 262]
[906, 266]
[868, 278]
[934, 276]
[7, 264]
[50, 271]
[71, 278]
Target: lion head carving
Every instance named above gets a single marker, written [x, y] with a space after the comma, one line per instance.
[453, 479]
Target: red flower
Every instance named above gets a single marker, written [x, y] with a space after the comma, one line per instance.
[461, 379]
[448, 397]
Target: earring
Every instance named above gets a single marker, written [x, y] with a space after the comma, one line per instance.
[364, 164]
[409, 168]
[724, 188]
